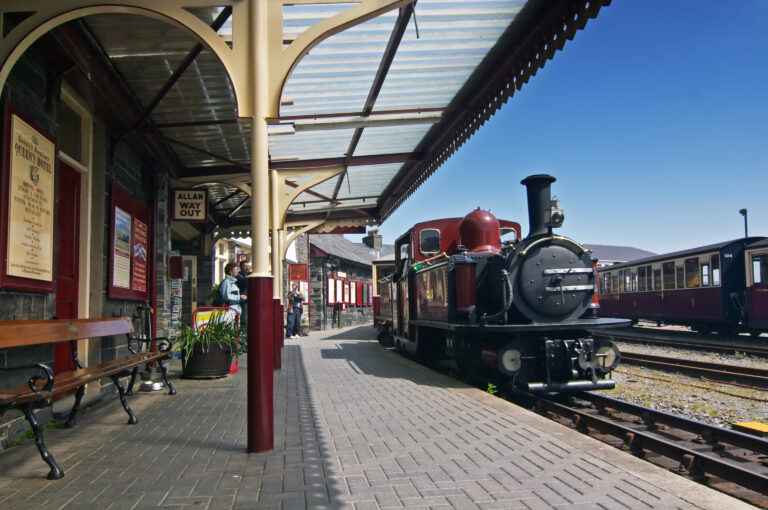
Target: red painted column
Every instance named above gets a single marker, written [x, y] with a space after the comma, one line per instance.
[261, 343]
[278, 336]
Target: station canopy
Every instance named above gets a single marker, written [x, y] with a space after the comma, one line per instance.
[390, 99]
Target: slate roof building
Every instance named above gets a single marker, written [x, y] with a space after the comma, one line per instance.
[608, 255]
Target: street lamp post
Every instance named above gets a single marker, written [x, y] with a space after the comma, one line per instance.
[743, 212]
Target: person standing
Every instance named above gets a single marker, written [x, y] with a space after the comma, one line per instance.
[242, 285]
[230, 293]
[298, 308]
[294, 312]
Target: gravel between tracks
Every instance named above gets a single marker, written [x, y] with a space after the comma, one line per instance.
[689, 396]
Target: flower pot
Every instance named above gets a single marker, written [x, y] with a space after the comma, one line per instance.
[215, 362]
[304, 329]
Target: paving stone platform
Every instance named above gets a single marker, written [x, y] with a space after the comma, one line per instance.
[356, 426]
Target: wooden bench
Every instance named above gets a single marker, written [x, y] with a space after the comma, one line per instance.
[43, 385]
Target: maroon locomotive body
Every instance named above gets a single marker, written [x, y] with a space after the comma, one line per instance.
[719, 287]
[471, 293]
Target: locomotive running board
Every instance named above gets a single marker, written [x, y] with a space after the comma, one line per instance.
[579, 324]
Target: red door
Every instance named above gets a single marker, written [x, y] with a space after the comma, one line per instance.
[67, 244]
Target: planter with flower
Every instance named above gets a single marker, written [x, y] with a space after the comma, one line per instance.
[207, 351]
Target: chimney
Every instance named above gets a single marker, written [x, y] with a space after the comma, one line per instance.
[373, 240]
[538, 202]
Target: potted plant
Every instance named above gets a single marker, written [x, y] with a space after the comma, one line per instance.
[207, 352]
[304, 326]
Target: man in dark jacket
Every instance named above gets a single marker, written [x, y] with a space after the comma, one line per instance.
[242, 284]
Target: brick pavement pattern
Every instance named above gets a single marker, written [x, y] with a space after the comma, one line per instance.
[356, 427]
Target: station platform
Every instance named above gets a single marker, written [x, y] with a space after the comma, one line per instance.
[356, 426]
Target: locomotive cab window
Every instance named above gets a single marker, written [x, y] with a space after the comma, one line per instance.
[508, 235]
[429, 241]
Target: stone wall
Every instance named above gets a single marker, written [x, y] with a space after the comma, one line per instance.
[26, 90]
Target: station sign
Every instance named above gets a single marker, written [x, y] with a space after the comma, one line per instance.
[189, 204]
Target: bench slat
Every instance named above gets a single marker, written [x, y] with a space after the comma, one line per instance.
[22, 333]
[66, 381]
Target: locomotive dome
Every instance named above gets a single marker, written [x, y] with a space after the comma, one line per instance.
[479, 231]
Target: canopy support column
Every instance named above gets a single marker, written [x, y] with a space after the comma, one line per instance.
[261, 316]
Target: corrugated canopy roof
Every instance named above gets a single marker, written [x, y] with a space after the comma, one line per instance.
[389, 99]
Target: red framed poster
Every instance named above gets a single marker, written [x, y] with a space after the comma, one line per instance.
[359, 294]
[353, 293]
[298, 272]
[346, 292]
[339, 291]
[331, 291]
[129, 247]
[370, 294]
[28, 203]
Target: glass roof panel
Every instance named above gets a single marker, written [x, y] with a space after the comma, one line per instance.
[453, 37]
[391, 139]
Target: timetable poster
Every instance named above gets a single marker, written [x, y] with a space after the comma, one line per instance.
[140, 244]
[121, 255]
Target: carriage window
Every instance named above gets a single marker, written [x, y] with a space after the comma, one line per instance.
[705, 275]
[508, 235]
[607, 283]
[657, 279]
[641, 278]
[692, 277]
[715, 270]
[634, 282]
[680, 277]
[429, 241]
[648, 278]
[668, 268]
[760, 268]
[615, 283]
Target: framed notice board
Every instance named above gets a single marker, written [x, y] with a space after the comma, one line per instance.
[129, 247]
[27, 204]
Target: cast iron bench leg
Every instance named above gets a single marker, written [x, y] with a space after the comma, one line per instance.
[171, 389]
[131, 417]
[73, 412]
[56, 471]
[135, 372]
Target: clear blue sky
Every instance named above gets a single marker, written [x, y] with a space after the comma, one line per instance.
[653, 121]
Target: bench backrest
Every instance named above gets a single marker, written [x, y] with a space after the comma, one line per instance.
[21, 333]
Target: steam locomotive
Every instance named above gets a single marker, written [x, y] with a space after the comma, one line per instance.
[470, 293]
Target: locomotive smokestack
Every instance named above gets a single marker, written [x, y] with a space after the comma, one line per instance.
[539, 199]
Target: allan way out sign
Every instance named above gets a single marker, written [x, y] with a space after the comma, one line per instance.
[189, 205]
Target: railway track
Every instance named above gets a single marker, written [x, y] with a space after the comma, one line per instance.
[723, 344]
[730, 461]
[747, 375]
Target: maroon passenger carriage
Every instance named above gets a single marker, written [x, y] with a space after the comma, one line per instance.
[719, 287]
[470, 292]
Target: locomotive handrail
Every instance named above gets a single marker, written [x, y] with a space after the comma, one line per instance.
[431, 259]
[552, 238]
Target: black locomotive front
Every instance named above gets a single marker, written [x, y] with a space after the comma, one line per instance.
[535, 306]
[522, 312]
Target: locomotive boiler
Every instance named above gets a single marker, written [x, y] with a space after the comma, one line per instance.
[469, 292]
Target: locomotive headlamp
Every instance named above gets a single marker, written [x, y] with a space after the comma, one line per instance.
[608, 357]
[554, 216]
[509, 361]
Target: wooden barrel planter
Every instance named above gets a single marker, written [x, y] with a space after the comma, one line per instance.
[214, 363]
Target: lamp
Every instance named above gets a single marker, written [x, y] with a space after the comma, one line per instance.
[743, 212]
